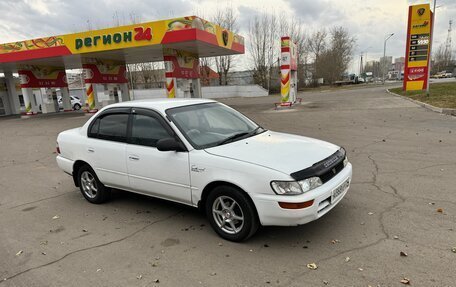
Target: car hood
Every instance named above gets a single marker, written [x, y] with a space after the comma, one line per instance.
[282, 152]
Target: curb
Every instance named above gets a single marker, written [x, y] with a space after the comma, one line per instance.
[445, 111]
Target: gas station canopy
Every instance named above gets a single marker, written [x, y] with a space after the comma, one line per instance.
[137, 43]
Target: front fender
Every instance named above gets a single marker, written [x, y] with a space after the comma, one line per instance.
[207, 168]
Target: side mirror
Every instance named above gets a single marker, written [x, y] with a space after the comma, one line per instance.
[170, 144]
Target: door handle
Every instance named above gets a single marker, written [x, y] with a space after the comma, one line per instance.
[90, 149]
[133, 157]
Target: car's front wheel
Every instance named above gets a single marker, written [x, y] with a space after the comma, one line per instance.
[91, 187]
[231, 213]
[77, 107]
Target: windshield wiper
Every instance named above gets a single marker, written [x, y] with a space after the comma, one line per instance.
[238, 135]
[233, 137]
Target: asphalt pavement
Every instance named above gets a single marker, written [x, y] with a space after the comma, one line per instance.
[397, 222]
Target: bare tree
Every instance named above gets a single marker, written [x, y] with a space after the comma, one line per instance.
[331, 56]
[205, 69]
[442, 59]
[263, 46]
[342, 46]
[316, 45]
[299, 37]
[225, 18]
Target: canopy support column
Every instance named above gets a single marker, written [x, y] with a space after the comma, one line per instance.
[27, 94]
[66, 100]
[125, 92]
[185, 66]
[13, 97]
[196, 88]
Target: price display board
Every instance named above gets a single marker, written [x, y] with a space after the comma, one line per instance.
[418, 45]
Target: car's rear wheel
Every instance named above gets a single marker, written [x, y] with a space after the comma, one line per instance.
[91, 187]
[231, 213]
[77, 107]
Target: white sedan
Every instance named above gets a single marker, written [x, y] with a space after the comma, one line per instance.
[205, 154]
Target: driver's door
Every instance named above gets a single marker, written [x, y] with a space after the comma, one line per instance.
[158, 173]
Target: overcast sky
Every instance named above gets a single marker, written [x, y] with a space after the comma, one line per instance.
[369, 21]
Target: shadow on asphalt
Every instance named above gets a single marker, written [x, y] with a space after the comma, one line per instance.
[289, 235]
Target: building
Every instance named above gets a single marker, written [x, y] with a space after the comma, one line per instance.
[374, 68]
[399, 64]
[396, 71]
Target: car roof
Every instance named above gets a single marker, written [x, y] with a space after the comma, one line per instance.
[161, 104]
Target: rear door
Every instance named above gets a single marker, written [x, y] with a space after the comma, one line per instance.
[162, 174]
[106, 147]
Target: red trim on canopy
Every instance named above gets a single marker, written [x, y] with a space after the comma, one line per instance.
[34, 54]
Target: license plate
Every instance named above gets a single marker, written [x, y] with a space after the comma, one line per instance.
[340, 189]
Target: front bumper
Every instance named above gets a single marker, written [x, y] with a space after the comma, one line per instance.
[270, 213]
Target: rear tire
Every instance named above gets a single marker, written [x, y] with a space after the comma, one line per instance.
[91, 187]
[76, 107]
[231, 213]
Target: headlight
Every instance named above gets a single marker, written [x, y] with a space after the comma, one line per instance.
[295, 187]
[310, 183]
[344, 153]
[286, 187]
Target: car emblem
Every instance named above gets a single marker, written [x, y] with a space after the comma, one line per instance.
[334, 171]
[194, 168]
[421, 11]
[225, 37]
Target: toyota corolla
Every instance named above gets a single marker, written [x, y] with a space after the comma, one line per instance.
[205, 154]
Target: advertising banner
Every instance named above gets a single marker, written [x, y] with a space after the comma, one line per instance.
[289, 53]
[104, 72]
[288, 68]
[34, 76]
[181, 64]
[417, 48]
[182, 29]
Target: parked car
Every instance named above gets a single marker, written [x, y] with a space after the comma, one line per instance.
[75, 103]
[205, 154]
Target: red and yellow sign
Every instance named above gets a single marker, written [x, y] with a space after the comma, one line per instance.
[419, 39]
[288, 63]
[170, 87]
[181, 64]
[162, 32]
[104, 72]
[35, 76]
[90, 97]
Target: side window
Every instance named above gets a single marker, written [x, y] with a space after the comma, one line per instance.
[93, 133]
[147, 130]
[113, 127]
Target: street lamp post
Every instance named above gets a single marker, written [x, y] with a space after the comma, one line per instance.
[384, 56]
[363, 53]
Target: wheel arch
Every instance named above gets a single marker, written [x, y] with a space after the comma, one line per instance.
[76, 166]
[212, 185]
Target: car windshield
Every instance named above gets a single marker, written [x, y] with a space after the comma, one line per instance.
[212, 124]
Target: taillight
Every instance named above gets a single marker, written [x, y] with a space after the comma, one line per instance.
[57, 148]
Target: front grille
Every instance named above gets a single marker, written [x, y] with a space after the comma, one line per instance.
[325, 169]
[327, 176]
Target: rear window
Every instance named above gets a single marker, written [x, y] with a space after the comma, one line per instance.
[111, 127]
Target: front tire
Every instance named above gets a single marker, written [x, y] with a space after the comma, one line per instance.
[76, 107]
[231, 213]
[91, 187]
